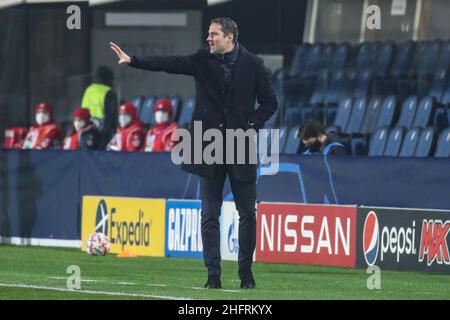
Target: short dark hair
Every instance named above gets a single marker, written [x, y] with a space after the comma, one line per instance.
[104, 75]
[311, 129]
[228, 26]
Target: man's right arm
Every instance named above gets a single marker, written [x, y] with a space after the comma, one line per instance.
[170, 64]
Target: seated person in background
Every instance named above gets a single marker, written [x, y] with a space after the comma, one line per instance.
[45, 134]
[130, 135]
[159, 136]
[83, 134]
[14, 137]
[313, 136]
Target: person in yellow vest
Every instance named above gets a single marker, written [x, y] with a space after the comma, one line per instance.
[101, 100]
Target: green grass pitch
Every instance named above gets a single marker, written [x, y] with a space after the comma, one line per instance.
[40, 273]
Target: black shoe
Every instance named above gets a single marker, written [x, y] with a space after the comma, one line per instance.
[248, 284]
[213, 283]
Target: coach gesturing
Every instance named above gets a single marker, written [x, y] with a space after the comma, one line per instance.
[228, 79]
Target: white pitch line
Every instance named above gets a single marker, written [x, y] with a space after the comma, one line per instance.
[106, 293]
[114, 282]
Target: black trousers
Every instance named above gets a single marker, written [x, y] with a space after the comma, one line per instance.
[244, 194]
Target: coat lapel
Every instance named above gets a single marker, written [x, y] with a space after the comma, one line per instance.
[214, 64]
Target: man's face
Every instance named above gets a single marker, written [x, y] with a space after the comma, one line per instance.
[218, 42]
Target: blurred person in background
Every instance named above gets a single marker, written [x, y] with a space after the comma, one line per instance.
[130, 136]
[316, 141]
[159, 136]
[83, 134]
[45, 134]
[101, 100]
[15, 137]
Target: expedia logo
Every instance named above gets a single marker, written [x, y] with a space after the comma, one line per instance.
[371, 238]
[101, 220]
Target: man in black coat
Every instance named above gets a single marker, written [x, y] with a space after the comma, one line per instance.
[228, 80]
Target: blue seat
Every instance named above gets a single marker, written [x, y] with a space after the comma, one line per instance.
[312, 62]
[320, 88]
[186, 112]
[138, 102]
[292, 142]
[146, 114]
[366, 55]
[384, 58]
[410, 142]
[176, 104]
[408, 112]
[438, 85]
[443, 144]
[335, 87]
[394, 142]
[418, 58]
[443, 61]
[388, 112]
[372, 114]
[293, 116]
[356, 117]
[326, 56]
[341, 56]
[445, 100]
[349, 84]
[299, 60]
[378, 142]
[425, 144]
[363, 84]
[283, 134]
[425, 113]
[403, 59]
[342, 116]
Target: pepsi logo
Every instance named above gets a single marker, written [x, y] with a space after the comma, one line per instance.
[371, 238]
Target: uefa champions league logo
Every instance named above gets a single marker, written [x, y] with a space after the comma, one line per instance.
[101, 221]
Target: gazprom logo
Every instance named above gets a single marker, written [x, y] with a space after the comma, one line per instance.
[233, 243]
[101, 220]
[371, 238]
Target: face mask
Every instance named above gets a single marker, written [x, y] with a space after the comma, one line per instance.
[78, 125]
[161, 117]
[315, 146]
[124, 120]
[42, 118]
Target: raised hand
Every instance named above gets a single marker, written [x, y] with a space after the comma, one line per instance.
[123, 57]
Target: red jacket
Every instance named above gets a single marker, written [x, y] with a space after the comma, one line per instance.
[45, 136]
[130, 138]
[72, 139]
[159, 137]
[14, 137]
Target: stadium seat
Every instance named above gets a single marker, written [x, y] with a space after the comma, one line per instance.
[320, 88]
[410, 142]
[363, 84]
[371, 116]
[146, 114]
[293, 116]
[443, 61]
[425, 143]
[292, 142]
[388, 112]
[326, 56]
[335, 87]
[186, 112]
[366, 55]
[138, 102]
[403, 59]
[341, 56]
[349, 84]
[425, 113]
[378, 142]
[443, 144]
[445, 100]
[299, 60]
[342, 116]
[313, 60]
[356, 117]
[438, 85]
[176, 103]
[408, 112]
[384, 58]
[394, 142]
[283, 133]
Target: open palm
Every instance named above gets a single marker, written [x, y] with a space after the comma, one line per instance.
[123, 57]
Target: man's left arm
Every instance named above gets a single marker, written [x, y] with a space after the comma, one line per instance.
[265, 96]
